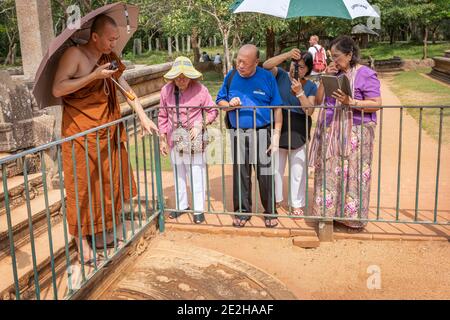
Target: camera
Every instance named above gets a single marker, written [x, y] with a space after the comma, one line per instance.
[114, 65]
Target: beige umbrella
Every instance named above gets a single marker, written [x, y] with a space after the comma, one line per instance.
[126, 17]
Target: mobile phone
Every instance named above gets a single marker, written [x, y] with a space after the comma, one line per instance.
[114, 65]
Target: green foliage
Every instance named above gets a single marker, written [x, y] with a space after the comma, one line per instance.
[404, 50]
[415, 89]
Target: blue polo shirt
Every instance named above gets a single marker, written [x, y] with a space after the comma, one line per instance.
[285, 83]
[261, 89]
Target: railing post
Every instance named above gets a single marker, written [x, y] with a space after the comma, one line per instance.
[325, 230]
[159, 187]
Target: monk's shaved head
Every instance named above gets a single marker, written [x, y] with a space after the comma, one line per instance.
[104, 34]
[100, 22]
[249, 49]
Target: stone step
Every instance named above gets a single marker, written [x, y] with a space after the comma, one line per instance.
[16, 190]
[19, 220]
[26, 274]
[24, 262]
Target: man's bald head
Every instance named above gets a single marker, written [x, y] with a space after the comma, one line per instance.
[100, 22]
[247, 60]
[250, 49]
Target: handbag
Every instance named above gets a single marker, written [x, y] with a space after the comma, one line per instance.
[181, 136]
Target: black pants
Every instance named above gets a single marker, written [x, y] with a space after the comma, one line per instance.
[243, 161]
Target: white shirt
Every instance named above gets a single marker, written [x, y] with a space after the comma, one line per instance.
[217, 59]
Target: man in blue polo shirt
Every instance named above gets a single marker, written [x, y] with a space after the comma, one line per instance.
[251, 86]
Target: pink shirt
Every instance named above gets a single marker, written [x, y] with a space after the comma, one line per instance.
[196, 95]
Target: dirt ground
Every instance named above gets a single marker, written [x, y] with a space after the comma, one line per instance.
[339, 270]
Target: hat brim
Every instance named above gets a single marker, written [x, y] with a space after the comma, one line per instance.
[192, 74]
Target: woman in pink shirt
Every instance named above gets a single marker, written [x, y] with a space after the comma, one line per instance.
[188, 116]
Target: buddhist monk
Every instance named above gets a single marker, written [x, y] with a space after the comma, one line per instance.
[83, 81]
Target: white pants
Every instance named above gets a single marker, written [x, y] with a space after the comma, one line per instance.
[298, 175]
[182, 175]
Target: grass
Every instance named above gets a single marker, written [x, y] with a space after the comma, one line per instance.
[382, 51]
[413, 89]
[213, 81]
[156, 57]
[165, 161]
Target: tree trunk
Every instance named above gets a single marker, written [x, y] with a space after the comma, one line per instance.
[270, 43]
[425, 45]
[434, 32]
[169, 46]
[227, 63]
[11, 57]
[195, 47]
[150, 48]
[11, 48]
[391, 36]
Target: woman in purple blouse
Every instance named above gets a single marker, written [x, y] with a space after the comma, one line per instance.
[338, 137]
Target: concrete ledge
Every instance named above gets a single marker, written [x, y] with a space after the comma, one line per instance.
[293, 233]
[306, 242]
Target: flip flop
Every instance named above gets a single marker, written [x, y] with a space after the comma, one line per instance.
[240, 222]
[91, 262]
[177, 214]
[111, 245]
[297, 213]
[268, 223]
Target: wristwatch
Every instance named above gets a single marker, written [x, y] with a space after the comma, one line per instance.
[300, 94]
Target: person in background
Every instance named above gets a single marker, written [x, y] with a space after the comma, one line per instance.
[206, 57]
[345, 182]
[319, 57]
[217, 59]
[300, 93]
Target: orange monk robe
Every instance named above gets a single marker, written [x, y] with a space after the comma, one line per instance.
[92, 106]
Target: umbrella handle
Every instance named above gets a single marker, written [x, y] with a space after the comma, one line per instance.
[129, 95]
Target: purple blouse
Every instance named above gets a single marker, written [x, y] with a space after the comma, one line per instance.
[367, 86]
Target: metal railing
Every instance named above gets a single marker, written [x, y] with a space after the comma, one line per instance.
[221, 135]
[141, 211]
[149, 204]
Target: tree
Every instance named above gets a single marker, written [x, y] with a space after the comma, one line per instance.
[220, 11]
[8, 27]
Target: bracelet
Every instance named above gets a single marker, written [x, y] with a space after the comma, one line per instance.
[300, 94]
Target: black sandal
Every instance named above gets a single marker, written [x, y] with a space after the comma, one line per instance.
[268, 222]
[177, 214]
[239, 222]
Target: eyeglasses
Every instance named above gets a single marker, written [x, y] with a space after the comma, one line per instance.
[335, 58]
